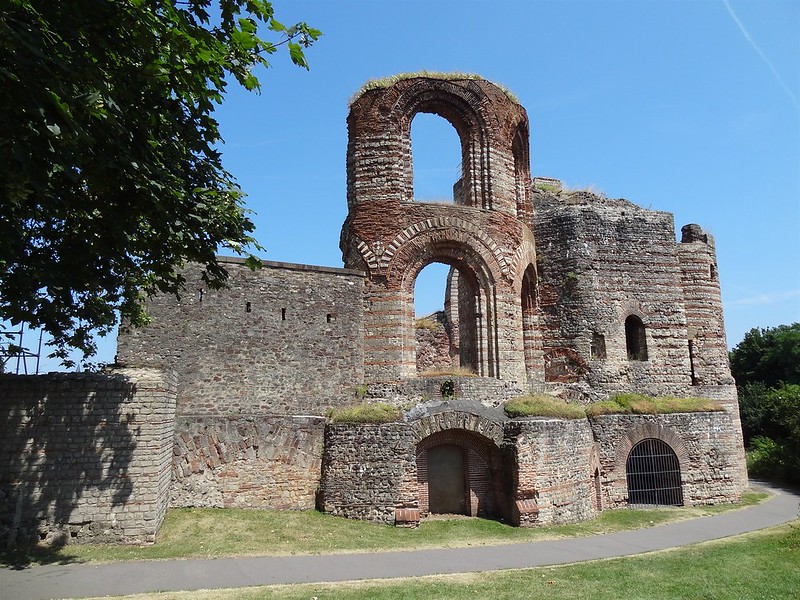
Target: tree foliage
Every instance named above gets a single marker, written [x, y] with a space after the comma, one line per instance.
[769, 356]
[111, 174]
[766, 365]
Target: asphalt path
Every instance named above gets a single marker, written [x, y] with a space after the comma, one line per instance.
[121, 578]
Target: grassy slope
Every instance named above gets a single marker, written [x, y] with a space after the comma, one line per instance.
[211, 533]
[763, 565]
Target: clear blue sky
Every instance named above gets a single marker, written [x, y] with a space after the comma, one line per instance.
[691, 107]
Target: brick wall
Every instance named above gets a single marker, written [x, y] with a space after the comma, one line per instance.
[282, 340]
[253, 461]
[85, 457]
[369, 471]
[553, 470]
[602, 261]
[707, 445]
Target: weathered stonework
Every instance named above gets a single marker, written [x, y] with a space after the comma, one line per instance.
[549, 291]
[85, 457]
[281, 340]
[250, 461]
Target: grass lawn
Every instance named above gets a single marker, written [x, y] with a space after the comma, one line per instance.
[214, 533]
[764, 565]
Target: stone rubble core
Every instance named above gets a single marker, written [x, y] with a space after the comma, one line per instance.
[549, 291]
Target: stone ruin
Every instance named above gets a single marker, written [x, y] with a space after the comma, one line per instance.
[549, 291]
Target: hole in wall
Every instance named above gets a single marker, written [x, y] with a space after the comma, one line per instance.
[247, 307]
[283, 314]
[597, 346]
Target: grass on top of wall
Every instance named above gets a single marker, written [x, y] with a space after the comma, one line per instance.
[543, 405]
[368, 412]
[639, 404]
[384, 82]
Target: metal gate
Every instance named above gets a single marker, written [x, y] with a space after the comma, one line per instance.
[654, 475]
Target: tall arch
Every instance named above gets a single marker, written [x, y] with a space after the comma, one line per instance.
[394, 237]
[475, 301]
[529, 304]
[456, 105]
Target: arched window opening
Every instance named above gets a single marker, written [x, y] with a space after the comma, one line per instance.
[446, 321]
[635, 338]
[522, 175]
[436, 152]
[529, 317]
[653, 474]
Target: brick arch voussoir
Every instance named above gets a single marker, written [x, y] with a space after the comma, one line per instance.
[459, 104]
[644, 431]
[522, 259]
[456, 230]
[633, 308]
[488, 431]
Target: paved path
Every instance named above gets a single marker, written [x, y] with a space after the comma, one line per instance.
[77, 580]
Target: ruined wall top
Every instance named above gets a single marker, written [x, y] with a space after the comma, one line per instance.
[491, 124]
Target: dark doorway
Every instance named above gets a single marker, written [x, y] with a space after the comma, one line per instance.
[446, 475]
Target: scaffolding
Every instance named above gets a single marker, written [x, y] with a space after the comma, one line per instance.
[14, 356]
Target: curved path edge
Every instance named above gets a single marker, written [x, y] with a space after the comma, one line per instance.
[122, 578]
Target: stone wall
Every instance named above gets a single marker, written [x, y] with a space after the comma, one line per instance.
[600, 262]
[284, 339]
[252, 461]
[85, 457]
[708, 347]
[369, 471]
[553, 482]
[708, 447]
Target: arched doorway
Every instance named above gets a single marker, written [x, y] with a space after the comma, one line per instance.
[457, 473]
[653, 474]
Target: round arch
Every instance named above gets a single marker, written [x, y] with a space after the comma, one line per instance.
[476, 306]
[457, 470]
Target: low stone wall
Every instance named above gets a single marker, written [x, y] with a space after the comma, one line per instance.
[251, 461]
[85, 457]
[487, 391]
[369, 471]
[707, 445]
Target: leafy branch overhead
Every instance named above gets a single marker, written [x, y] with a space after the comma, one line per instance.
[112, 175]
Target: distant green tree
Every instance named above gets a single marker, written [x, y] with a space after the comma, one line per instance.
[769, 356]
[110, 170]
[766, 365]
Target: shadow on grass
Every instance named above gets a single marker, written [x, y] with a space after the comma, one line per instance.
[21, 558]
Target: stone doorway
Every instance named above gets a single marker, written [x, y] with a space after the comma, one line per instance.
[447, 490]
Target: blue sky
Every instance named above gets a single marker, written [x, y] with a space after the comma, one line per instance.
[692, 107]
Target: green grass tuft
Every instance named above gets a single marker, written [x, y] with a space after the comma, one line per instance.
[373, 412]
[639, 404]
[383, 82]
[543, 405]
